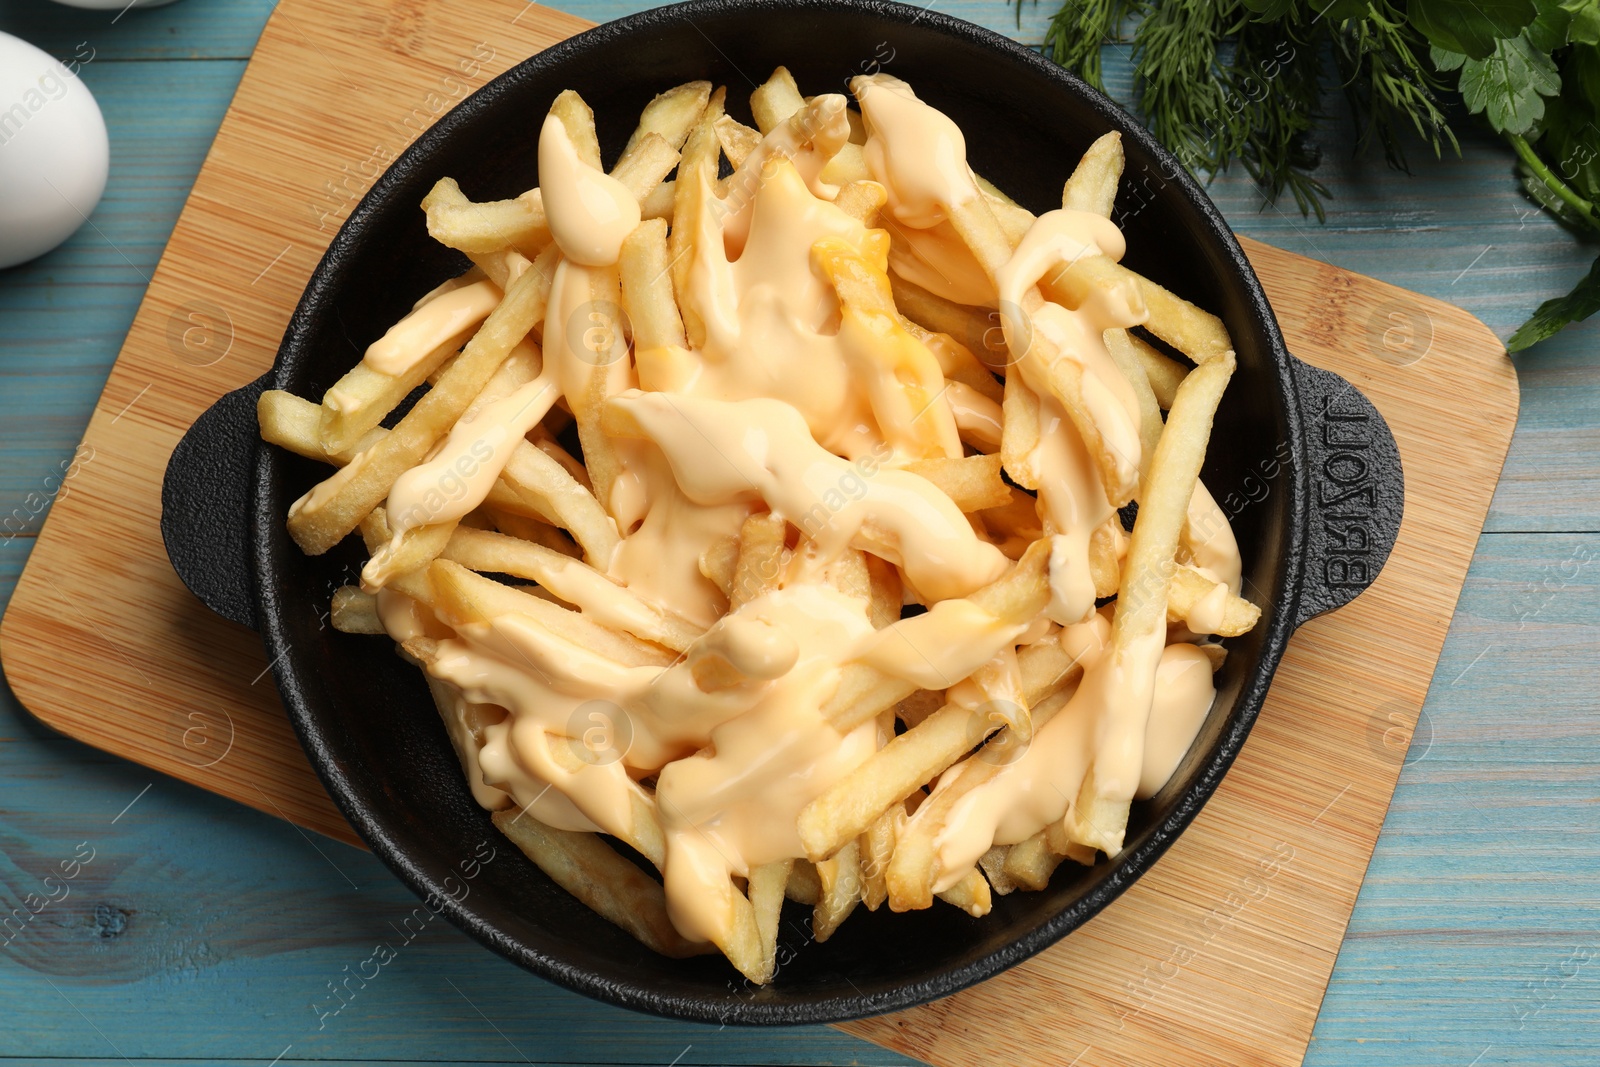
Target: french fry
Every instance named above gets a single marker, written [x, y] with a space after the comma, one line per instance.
[804, 885]
[1107, 545]
[1138, 628]
[354, 612]
[760, 560]
[556, 495]
[660, 202]
[993, 866]
[694, 189]
[775, 100]
[594, 873]
[1019, 432]
[578, 119]
[1163, 372]
[574, 582]
[875, 846]
[1195, 600]
[1029, 864]
[719, 563]
[975, 328]
[295, 424]
[1093, 185]
[852, 804]
[885, 601]
[659, 349]
[973, 482]
[1198, 334]
[486, 226]
[671, 115]
[908, 402]
[765, 891]
[737, 139]
[862, 200]
[321, 519]
[971, 895]
[840, 876]
[463, 597]
[1017, 597]
[418, 344]
[1125, 354]
[534, 531]
[645, 165]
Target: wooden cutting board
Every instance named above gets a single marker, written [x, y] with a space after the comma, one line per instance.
[1219, 956]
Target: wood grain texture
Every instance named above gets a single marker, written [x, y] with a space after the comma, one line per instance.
[1456, 929]
[1199, 914]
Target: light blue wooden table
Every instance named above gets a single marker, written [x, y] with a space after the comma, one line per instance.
[201, 931]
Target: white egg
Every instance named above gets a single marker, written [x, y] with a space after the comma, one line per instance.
[53, 151]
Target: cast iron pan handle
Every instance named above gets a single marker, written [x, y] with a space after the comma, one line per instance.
[1356, 488]
[205, 504]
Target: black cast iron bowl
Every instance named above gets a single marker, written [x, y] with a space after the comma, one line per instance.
[1300, 460]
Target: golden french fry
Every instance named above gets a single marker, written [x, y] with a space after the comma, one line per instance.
[694, 189]
[766, 888]
[720, 562]
[659, 204]
[355, 612]
[885, 603]
[1093, 185]
[890, 775]
[876, 846]
[737, 139]
[977, 329]
[645, 165]
[535, 531]
[775, 100]
[1016, 597]
[973, 482]
[804, 886]
[557, 497]
[840, 876]
[578, 119]
[574, 582]
[1163, 372]
[463, 597]
[1019, 432]
[971, 895]
[486, 226]
[1029, 864]
[414, 347]
[760, 560]
[862, 200]
[1125, 353]
[1139, 626]
[1107, 545]
[993, 866]
[320, 519]
[671, 115]
[1207, 607]
[608, 884]
[290, 422]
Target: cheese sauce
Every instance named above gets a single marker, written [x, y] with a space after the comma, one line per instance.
[793, 401]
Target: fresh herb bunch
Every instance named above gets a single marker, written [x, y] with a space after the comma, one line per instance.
[1240, 81]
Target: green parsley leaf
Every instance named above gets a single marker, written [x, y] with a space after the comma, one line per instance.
[1585, 25]
[1470, 26]
[1445, 60]
[1510, 85]
[1583, 301]
[1548, 31]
